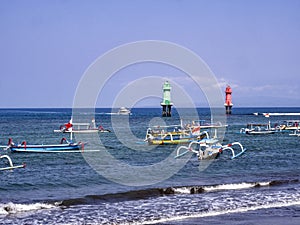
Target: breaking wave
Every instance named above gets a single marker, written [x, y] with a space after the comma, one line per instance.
[224, 187]
[156, 192]
[160, 205]
[12, 208]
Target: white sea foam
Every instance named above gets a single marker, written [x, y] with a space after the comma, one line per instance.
[182, 190]
[264, 183]
[235, 186]
[221, 187]
[11, 208]
[229, 186]
[216, 213]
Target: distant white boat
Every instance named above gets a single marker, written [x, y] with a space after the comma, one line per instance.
[281, 114]
[124, 111]
[121, 111]
[258, 129]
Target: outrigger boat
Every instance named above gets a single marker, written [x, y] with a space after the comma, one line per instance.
[258, 129]
[290, 125]
[162, 135]
[179, 134]
[202, 124]
[209, 149]
[11, 165]
[81, 128]
[64, 146]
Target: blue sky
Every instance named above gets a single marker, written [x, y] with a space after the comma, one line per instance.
[47, 45]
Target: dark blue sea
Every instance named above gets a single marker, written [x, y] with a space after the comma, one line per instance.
[260, 187]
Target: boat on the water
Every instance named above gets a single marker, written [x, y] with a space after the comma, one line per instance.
[201, 124]
[124, 111]
[258, 129]
[290, 125]
[180, 134]
[121, 111]
[172, 135]
[11, 165]
[71, 127]
[281, 114]
[207, 149]
[63, 146]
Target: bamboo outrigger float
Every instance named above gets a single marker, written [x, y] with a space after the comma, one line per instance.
[11, 165]
[295, 133]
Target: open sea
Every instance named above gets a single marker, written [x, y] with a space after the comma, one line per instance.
[260, 187]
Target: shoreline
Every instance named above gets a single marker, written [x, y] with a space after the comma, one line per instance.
[286, 215]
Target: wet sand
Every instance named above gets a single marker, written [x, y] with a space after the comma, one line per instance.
[275, 216]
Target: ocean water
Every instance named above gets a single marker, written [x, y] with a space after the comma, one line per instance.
[260, 187]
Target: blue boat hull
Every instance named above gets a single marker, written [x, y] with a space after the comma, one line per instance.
[48, 148]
